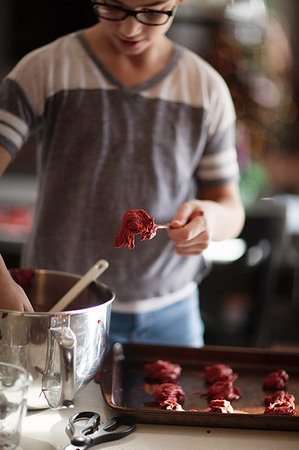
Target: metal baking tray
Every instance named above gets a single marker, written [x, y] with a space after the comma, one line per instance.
[122, 380]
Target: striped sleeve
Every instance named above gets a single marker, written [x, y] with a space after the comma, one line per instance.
[16, 116]
[219, 162]
[219, 168]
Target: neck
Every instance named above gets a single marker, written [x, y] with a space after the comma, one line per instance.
[130, 69]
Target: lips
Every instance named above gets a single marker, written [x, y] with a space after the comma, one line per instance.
[129, 42]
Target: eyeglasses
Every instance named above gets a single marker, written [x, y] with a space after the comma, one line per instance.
[150, 17]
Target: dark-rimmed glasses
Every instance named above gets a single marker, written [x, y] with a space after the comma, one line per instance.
[145, 16]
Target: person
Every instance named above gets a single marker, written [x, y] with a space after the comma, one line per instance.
[125, 118]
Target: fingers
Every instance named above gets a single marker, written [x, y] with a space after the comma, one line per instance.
[193, 226]
[186, 213]
[193, 246]
[28, 307]
[189, 231]
[19, 300]
[26, 304]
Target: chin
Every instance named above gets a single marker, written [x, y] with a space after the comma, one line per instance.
[131, 48]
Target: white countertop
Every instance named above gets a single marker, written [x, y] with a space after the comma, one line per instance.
[45, 430]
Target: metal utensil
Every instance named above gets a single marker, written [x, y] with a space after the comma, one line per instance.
[167, 227]
[161, 227]
[90, 276]
[91, 433]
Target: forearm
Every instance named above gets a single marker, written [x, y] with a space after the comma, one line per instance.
[224, 211]
[5, 159]
[226, 218]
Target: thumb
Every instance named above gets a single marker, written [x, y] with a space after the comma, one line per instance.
[182, 216]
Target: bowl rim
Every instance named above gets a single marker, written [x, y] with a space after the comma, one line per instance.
[65, 313]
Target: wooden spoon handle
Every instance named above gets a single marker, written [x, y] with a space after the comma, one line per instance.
[90, 276]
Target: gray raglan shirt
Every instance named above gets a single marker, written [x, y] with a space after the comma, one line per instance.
[103, 148]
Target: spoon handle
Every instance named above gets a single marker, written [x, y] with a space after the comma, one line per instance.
[163, 227]
[93, 273]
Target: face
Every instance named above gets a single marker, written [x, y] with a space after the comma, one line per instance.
[131, 37]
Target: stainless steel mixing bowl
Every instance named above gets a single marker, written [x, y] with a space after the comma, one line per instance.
[62, 351]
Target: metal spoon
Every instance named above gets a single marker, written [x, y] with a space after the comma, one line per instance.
[196, 214]
[161, 227]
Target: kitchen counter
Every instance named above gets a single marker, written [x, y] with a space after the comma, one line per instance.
[45, 430]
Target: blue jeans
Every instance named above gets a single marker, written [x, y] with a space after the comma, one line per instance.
[179, 324]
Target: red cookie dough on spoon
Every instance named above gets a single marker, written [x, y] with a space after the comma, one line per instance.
[135, 221]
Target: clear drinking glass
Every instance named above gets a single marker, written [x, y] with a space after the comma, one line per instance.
[14, 382]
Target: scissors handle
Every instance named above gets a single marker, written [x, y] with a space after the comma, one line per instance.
[80, 433]
[107, 431]
[92, 433]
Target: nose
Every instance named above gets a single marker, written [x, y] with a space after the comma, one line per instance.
[130, 26]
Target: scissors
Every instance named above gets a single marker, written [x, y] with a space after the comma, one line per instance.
[91, 433]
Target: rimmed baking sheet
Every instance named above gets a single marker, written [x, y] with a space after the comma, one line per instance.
[122, 381]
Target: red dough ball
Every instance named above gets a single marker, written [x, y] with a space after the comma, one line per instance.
[219, 372]
[281, 408]
[220, 406]
[223, 390]
[281, 396]
[171, 405]
[162, 371]
[169, 392]
[276, 380]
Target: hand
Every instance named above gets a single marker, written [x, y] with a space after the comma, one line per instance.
[218, 215]
[14, 298]
[189, 229]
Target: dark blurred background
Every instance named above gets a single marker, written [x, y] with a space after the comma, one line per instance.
[251, 297]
